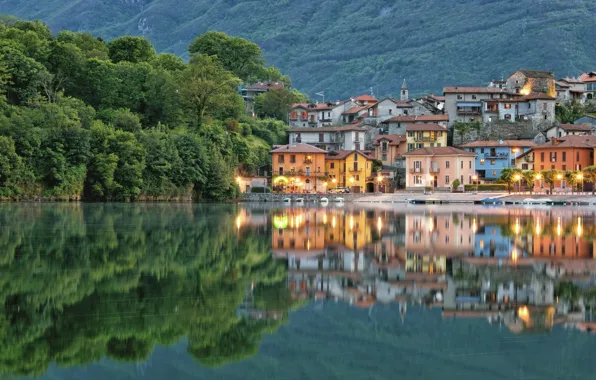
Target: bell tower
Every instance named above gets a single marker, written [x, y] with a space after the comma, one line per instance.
[404, 91]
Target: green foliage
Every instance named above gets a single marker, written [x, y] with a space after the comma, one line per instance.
[567, 114]
[455, 184]
[568, 291]
[510, 177]
[276, 103]
[487, 187]
[550, 177]
[84, 119]
[589, 174]
[126, 278]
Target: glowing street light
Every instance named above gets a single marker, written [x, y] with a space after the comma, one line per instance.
[580, 176]
[475, 179]
[517, 178]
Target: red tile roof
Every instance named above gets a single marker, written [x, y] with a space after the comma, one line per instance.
[588, 77]
[265, 85]
[440, 151]
[586, 127]
[508, 143]
[354, 110]
[570, 142]
[402, 103]
[365, 98]
[297, 148]
[425, 127]
[418, 118]
[562, 83]
[340, 128]
[394, 140]
[315, 107]
[537, 95]
[473, 90]
[341, 154]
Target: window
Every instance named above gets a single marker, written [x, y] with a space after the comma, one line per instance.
[524, 166]
[446, 164]
[321, 137]
[564, 167]
[470, 164]
[473, 96]
[459, 97]
[470, 179]
[482, 161]
[541, 167]
[281, 170]
[332, 165]
[461, 179]
[280, 159]
[481, 150]
[553, 156]
[355, 156]
[410, 147]
[541, 156]
[438, 145]
[494, 172]
[390, 111]
[384, 157]
[384, 146]
[507, 116]
[576, 156]
[552, 167]
[292, 158]
[508, 106]
[564, 157]
[410, 134]
[461, 164]
[417, 180]
[493, 162]
[447, 180]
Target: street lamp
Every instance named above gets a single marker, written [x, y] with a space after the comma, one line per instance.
[380, 181]
[475, 179]
[325, 187]
[560, 177]
[517, 178]
[352, 180]
[239, 180]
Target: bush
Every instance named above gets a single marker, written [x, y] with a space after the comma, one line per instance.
[260, 189]
[487, 187]
[455, 184]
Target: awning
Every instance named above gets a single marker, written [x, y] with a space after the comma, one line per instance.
[469, 104]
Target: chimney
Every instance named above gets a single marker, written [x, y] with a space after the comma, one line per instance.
[500, 142]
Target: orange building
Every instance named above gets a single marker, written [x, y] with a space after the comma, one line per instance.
[298, 168]
[389, 148]
[565, 153]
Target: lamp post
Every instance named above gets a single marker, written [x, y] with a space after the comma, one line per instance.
[380, 181]
[475, 179]
[239, 180]
[352, 180]
[560, 177]
[517, 178]
[325, 187]
[539, 178]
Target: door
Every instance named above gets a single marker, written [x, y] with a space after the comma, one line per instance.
[417, 166]
[435, 181]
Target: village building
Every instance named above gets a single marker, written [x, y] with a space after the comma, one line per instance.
[535, 107]
[464, 104]
[249, 93]
[432, 103]
[298, 168]
[438, 167]
[562, 130]
[570, 89]
[351, 169]
[389, 149]
[425, 136]
[344, 137]
[317, 115]
[590, 80]
[494, 156]
[526, 82]
[589, 119]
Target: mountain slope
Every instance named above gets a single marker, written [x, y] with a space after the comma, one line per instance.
[344, 47]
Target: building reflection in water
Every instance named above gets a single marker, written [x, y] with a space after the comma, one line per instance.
[503, 264]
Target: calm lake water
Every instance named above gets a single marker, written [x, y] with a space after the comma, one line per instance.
[180, 291]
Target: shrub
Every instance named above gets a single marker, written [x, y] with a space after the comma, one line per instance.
[455, 184]
[487, 187]
[260, 189]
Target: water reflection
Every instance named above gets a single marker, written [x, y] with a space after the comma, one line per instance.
[82, 282]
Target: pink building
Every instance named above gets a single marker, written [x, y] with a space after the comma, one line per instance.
[438, 168]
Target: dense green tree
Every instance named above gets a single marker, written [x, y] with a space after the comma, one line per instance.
[567, 114]
[550, 177]
[10, 167]
[510, 177]
[243, 58]
[589, 174]
[25, 75]
[276, 103]
[169, 62]
[131, 49]
[206, 85]
[92, 47]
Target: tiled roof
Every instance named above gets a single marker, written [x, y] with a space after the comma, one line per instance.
[473, 90]
[354, 110]
[564, 84]
[439, 151]
[537, 95]
[365, 98]
[586, 127]
[297, 148]
[315, 107]
[519, 99]
[418, 118]
[536, 73]
[507, 143]
[425, 127]
[572, 80]
[265, 85]
[402, 103]
[570, 142]
[394, 140]
[588, 77]
[340, 128]
[341, 154]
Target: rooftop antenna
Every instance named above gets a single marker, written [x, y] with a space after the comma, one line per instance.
[322, 94]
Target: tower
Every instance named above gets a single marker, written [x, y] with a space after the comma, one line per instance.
[404, 91]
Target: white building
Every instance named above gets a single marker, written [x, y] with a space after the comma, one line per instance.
[346, 137]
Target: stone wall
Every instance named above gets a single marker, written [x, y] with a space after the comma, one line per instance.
[308, 198]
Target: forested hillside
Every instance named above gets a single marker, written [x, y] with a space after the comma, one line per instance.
[84, 119]
[343, 46]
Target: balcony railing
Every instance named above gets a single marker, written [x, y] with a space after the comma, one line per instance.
[425, 139]
[500, 155]
[470, 113]
[312, 121]
[434, 170]
[327, 120]
[492, 110]
[528, 158]
[308, 161]
[352, 170]
[416, 171]
[295, 173]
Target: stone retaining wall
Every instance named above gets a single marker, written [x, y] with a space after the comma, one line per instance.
[257, 197]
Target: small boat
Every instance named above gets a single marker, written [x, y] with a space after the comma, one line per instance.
[287, 200]
[299, 201]
[491, 201]
[339, 200]
[324, 201]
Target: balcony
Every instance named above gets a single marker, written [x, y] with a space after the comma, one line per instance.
[492, 110]
[469, 113]
[327, 120]
[312, 121]
[425, 139]
[352, 170]
[416, 171]
[434, 170]
[498, 155]
[529, 158]
[290, 173]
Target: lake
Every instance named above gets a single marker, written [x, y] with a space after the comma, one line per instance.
[183, 291]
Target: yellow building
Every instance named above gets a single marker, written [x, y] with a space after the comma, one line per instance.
[351, 169]
[425, 136]
[298, 168]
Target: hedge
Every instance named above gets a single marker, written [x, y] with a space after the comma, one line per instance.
[259, 189]
[487, 187]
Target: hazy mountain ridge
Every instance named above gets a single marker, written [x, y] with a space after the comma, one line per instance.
[344, 47]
